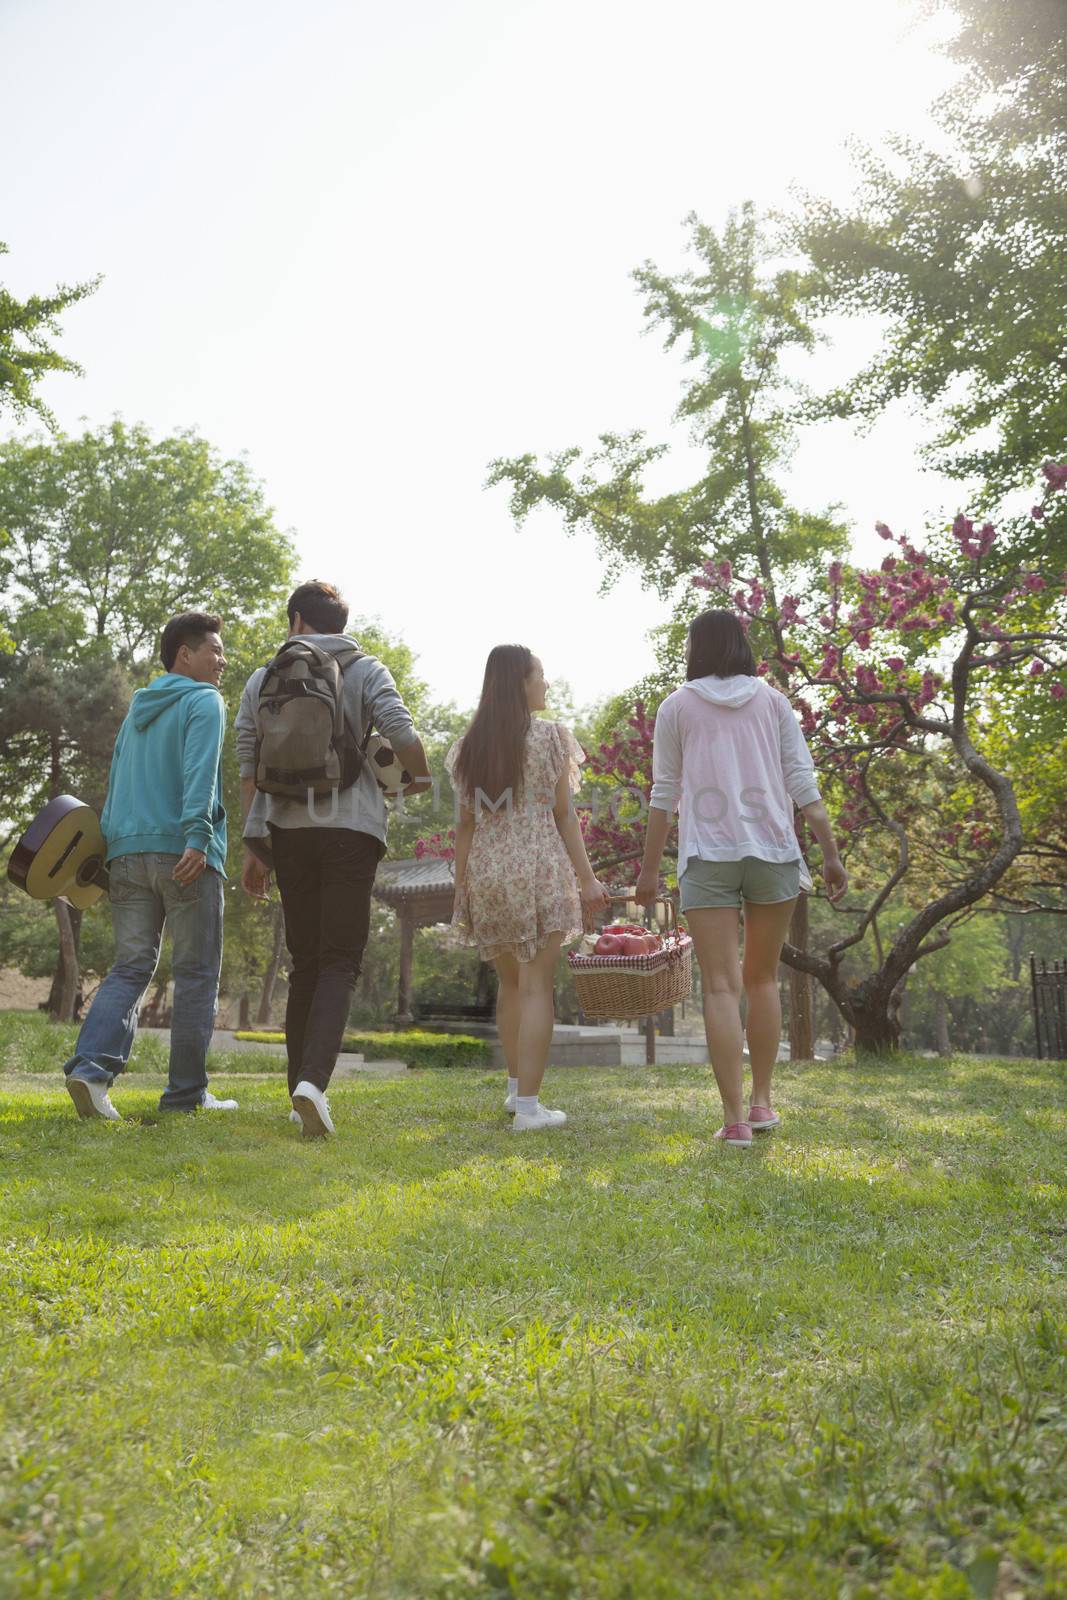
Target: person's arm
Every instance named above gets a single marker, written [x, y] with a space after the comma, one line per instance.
[255, 874]
[464, 834]
[798, 768]
[663, 802]
[595, 897]
[833, 868]
[387, 712]
[204, 726]
[656, 831]
[414, 758]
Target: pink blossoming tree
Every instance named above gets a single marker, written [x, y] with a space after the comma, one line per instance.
[892, 671]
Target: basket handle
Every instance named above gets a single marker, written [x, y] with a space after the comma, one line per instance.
[671, 925]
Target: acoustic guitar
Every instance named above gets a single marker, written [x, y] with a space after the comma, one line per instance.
[61, 855]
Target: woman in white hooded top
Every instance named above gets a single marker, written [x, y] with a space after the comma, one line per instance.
[729, 755]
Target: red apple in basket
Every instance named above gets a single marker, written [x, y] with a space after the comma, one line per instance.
[609, 944]
[633, 944]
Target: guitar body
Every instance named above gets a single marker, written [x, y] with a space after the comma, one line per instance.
[62, 854]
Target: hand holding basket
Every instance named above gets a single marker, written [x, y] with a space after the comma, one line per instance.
[611, 986]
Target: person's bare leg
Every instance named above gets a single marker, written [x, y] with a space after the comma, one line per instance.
[537, 1016]
[765, 931]
[507, 1010]
[714, 933]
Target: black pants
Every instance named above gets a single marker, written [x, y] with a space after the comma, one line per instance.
[325, 877]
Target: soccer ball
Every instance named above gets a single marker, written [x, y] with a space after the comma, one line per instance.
[389, 771]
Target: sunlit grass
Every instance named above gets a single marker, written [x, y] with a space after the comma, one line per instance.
[431, 1359]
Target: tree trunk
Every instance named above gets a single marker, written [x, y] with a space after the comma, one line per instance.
[944, 1044]
[801, 1031]
[403, 1018]
[270, 976]
[877, 1033]
[61, 1006]
[59, 976]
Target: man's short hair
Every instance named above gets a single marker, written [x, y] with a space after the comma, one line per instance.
[322, 606]
[191, 628]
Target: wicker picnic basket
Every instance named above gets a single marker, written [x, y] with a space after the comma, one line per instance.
[635, 986]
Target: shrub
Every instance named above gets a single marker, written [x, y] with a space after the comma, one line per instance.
[418, 1049]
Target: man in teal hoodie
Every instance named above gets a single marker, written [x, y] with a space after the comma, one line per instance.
[165, 828]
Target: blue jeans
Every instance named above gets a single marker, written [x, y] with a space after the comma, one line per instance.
[144, 896]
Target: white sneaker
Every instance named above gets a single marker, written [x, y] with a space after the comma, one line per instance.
[314, 1110]
[528, 1121]
[509, 1105]
[91, 1100]
[209, 1103]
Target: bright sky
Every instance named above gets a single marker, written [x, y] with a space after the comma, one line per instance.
[375, 246]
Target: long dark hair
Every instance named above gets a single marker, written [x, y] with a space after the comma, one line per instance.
[494, 746]
[719, 648]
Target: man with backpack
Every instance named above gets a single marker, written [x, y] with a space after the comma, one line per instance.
[165, 827]
[315, 815]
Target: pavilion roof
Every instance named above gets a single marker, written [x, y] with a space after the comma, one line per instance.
[414, 881]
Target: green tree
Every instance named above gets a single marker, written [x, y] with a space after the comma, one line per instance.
[26, 356]
[114, 531]
[961, 253]
[738, 317]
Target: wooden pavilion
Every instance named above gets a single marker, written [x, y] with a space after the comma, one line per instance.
[422, 894]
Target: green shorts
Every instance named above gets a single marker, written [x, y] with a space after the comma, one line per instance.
[706, 885]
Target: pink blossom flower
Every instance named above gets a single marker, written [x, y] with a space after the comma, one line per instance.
[895, 664]
[1038, 513]
[1036, 668]
[973, 544]
[1056, 690]
[835, 572]
[883, 530]
[1056, 473]
[1033, 582]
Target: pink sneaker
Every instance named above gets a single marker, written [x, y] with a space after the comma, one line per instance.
[738, 1133]
[762, 1117]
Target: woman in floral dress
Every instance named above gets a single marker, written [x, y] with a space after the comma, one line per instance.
[524, 885]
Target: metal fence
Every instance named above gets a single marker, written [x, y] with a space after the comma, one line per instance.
[1048, 988]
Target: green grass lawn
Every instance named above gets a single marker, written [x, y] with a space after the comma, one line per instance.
[431, 1359]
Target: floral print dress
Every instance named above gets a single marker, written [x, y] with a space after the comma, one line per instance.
[520, 884]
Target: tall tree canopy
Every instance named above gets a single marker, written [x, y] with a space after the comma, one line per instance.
[961, 252]
[736, 316]
[112, 532]
[26, 355]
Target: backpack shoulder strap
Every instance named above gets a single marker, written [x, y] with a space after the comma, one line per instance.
[344, 659]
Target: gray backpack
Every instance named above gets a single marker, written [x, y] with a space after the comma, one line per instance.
[305, 742]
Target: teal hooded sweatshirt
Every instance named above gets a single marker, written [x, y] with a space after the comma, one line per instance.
[165, 790]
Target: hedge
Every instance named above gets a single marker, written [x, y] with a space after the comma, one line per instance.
[418, 1049]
